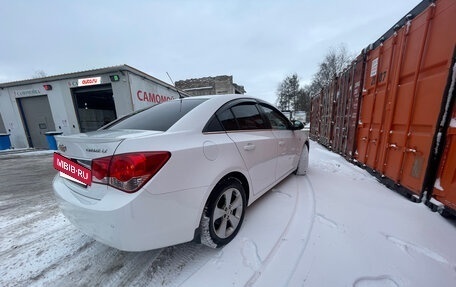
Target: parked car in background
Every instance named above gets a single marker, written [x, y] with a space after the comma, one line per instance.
[182, 170]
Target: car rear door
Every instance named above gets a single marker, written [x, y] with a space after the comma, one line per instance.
[254, 140]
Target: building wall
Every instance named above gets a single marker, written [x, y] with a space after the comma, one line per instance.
[145, 93]
[210, 86]
[2, 126]
[131, 92]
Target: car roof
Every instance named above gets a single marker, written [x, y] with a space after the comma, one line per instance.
[224, 97]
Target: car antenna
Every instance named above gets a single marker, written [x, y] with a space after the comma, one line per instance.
[180, 95]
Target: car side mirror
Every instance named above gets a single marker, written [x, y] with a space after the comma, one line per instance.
[297, 125]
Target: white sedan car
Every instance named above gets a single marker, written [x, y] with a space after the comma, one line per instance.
[182, 170]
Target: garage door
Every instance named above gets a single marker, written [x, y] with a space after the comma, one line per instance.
[37, 118]
[94, 106]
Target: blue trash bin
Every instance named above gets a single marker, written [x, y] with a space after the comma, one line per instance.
[5, 142]
[51, 139]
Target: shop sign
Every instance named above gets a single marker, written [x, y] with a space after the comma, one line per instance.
[89, 81]
[29, 92]
[144, 96]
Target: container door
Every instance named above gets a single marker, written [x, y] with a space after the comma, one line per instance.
[374, 104]
[346, 91]
[315, 117]
[404, 87]
[328, 114]
[339, 111]
[37, 118]
[431, 72]
[399, 106]
[353, 106]
[445, 184]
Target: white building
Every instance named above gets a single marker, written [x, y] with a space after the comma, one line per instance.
[75, 102]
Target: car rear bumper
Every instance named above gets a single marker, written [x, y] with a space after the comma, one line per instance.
[133, 222]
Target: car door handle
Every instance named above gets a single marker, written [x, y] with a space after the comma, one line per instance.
[249, 147]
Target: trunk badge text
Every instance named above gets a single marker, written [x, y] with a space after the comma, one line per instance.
[97, 150]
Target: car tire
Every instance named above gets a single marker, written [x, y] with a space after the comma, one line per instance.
[223, 214]
[303, 164]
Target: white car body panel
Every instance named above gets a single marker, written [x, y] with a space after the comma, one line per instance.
[259, 152]
[167, 210]
[289, 148]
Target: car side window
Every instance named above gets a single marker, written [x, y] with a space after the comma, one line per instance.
[277, 120]
[214, 125]
[237, 116]
[227, 120]
[248, 117]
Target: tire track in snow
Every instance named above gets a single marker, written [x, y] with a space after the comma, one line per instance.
[407, 247]
[293, 235]
[326, 221]
[101, 265]
[379, 281]
[39, 247]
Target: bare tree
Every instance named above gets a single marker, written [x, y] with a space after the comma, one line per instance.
[335, 61]
[290, 96]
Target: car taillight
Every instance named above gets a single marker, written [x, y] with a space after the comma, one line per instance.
[128, 172]
[100, 169]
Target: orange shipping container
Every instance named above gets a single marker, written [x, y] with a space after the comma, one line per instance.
[406, 74]
[327, 113]
[347, 108]
[315, 117]
[444, 187]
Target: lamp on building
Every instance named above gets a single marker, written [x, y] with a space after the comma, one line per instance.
[114, 78]
[47, 87]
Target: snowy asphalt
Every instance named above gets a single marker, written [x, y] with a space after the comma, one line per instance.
[336, 226]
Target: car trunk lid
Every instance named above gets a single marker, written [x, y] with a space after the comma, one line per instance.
[83, 148]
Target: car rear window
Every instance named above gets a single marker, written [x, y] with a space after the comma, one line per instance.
[157, 118]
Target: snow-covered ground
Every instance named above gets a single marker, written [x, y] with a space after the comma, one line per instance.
[337, 226]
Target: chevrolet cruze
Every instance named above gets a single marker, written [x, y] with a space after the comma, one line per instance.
[182, 170]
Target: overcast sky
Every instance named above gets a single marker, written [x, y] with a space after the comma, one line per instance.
[258, 42]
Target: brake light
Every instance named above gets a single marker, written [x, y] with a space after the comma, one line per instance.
[100, 169]
[128, 172]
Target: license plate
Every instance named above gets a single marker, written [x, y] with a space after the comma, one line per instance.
[72, 170]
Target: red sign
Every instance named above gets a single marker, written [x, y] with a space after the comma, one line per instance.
[89, 81]
[144, 96]
[72, 169]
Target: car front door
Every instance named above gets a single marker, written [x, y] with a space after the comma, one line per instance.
[287, 141]
[254, 140]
